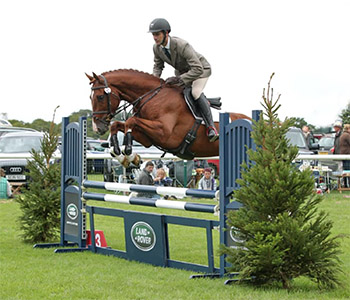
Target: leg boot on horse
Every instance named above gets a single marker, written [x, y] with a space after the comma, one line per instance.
[204, 107]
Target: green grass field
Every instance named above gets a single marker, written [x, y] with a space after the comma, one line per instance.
[27, 273]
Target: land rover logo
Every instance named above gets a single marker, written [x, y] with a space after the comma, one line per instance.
[72, 211]
[143, 236]
[15, 169]
[233, 233]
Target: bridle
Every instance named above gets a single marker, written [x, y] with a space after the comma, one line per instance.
[108, 92]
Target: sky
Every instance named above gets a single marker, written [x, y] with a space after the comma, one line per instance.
[48, 46]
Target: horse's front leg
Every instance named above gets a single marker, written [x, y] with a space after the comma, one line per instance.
[124, 156]
[115, 127]
[127, 142]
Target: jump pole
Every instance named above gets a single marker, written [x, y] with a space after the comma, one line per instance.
[234, 139]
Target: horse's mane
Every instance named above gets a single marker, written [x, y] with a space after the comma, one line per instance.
[136, 72]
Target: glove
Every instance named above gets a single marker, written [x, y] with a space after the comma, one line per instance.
[173, 80]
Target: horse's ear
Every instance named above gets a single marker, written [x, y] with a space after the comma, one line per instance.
[95, 76]
[90, 77]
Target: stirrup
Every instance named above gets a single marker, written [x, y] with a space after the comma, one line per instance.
[215, 136]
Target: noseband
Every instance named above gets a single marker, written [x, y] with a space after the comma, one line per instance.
[107, 92]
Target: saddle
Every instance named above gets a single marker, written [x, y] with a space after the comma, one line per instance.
[191, 103]
[183, 150]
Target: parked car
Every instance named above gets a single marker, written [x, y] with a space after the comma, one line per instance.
[9, 129]
[297, 138]
[5, 123]
[21, 142]
[95, 165]
[327, 147]
[327, 143]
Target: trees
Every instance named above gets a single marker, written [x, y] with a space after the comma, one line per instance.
[40, 203]
[345, 114]
[280, 233]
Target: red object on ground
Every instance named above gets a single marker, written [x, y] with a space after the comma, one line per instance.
[100, 240]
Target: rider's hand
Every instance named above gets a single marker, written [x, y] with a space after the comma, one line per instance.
[173, 80]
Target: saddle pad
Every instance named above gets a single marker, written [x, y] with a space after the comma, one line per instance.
[191, 103]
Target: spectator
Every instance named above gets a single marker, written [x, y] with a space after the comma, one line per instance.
[344, 148]
[207, 182]
[161, 178]
[338, 131]
[5, 187]
[307, 134]
[145, 178]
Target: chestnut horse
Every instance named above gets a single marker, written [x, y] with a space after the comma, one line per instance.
[160, 117]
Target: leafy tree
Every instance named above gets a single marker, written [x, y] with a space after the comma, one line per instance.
[299, 122]
[282, 233]
[40, 203]
[18, 123]
[345, 115]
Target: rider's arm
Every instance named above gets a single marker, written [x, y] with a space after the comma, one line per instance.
[158, 63]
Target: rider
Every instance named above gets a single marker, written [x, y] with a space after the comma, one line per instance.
[191, 68]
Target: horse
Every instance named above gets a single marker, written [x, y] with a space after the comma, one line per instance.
[160, 116]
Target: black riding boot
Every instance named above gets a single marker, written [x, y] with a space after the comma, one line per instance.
[208, 118]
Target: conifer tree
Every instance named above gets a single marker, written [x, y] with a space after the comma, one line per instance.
[40, 203]
[281, 234]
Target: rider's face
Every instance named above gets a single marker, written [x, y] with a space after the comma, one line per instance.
[158, 38]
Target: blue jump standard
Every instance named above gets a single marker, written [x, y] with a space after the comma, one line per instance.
[181, 205]
[160, 190]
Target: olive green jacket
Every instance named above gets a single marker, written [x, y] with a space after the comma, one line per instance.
[188, 64]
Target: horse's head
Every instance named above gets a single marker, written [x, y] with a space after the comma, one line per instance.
[103, 106]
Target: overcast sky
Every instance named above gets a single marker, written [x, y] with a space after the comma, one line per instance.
[47, 46]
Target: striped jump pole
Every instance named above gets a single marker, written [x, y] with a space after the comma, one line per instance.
[160, 190]
[181, 205]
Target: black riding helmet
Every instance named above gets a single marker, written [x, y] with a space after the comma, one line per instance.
[159, 25]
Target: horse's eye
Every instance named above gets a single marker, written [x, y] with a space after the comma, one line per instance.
[100, 97]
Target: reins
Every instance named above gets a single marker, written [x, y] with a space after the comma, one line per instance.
[155, 91]
[108, 92]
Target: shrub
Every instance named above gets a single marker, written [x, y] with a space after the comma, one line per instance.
[40, 203]
[281, 233]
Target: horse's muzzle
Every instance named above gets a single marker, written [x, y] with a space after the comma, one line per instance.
[99, 127]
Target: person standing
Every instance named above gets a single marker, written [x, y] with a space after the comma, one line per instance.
[344, 148]
[145, 178]
[207, 182]
[307, 134]
[5, 187]
[338, 131]
[191, 68]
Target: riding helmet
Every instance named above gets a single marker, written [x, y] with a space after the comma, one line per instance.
[159, 25]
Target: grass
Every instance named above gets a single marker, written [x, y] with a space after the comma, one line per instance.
[28, 273]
